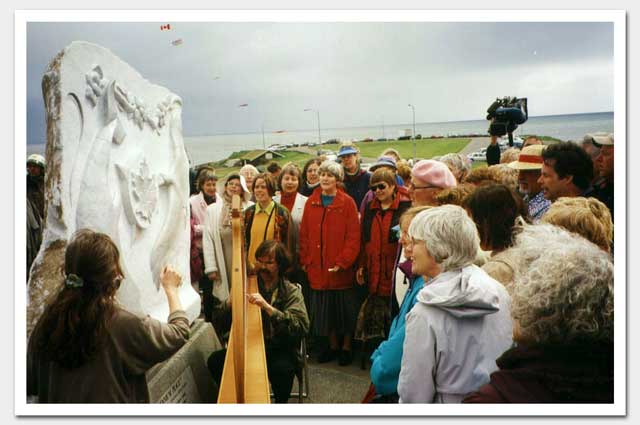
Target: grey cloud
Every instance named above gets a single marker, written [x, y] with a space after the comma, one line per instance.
[356, 74]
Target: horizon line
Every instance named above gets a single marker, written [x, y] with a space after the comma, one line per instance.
[366, 126]
[390, 125]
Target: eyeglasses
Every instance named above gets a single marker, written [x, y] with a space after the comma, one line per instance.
[266, 263]
[376, 187]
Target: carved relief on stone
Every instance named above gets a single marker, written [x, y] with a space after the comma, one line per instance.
[140, 193]
[135, 108]
[125, 174]
[95, 84]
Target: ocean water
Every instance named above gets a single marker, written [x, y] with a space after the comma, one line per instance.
[216, 147]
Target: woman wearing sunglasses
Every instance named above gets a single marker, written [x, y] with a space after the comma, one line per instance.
[378, 252]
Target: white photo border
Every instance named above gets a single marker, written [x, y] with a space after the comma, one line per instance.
[617, 17]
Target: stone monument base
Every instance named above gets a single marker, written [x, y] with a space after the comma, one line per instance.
[184, 378]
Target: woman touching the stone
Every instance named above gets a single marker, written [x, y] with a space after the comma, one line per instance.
[85, 347]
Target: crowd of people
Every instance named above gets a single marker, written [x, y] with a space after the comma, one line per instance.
[484, 285]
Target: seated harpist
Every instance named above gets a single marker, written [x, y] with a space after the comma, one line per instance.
[284, 319]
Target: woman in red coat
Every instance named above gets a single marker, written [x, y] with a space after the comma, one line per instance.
[329, 247]
[378, 254]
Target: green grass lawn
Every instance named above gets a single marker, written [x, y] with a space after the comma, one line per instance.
[425, 148]
[298, 158]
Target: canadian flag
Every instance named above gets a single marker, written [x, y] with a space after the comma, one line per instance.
[165, 27]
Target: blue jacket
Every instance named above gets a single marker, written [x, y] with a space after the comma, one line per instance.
[387, 358]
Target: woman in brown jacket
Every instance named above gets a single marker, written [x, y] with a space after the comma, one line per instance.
[85, 348]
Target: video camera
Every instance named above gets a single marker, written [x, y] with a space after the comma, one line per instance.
[505, 115]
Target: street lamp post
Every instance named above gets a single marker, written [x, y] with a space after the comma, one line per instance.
[414, 132]
[318, 116]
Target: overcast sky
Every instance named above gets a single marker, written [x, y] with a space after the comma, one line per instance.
[355, 74]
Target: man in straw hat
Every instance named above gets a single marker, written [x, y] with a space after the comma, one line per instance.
[529, 164]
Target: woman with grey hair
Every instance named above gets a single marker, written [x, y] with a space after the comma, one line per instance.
[249, 172]
[461, 322]
[563, 315]
[459, 165]
[329, 247]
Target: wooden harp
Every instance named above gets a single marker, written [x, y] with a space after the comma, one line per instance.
[244, 377]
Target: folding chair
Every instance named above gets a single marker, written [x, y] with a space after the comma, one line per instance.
[302, 374]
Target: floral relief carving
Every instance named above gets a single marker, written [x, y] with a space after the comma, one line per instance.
[95, 84]
[140, 192]
[134, 107]
[145, 191]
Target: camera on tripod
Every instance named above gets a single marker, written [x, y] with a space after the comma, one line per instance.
[505, 115]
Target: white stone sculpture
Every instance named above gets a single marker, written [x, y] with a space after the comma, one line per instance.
[116, 163]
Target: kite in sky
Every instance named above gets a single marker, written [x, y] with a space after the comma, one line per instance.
[177, 42]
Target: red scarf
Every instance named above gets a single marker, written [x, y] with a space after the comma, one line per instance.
[288, 199]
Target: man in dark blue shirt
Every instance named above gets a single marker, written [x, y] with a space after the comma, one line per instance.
[356, 180]
[493, 152]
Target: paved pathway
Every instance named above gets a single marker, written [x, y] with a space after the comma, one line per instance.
[475, 144]
[332, 383]
[305, 149]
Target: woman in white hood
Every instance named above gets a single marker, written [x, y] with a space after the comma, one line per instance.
[461, 322]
